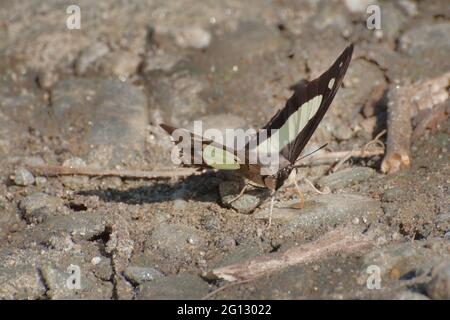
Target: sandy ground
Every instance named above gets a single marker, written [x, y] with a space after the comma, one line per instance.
[94, 96]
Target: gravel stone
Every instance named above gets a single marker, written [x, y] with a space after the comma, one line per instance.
[23, 177]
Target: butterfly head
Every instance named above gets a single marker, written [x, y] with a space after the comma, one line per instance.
[274, 182]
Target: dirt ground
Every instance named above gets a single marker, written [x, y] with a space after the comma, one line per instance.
[93, 97]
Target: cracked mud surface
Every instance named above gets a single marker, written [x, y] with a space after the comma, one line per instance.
[95, 96]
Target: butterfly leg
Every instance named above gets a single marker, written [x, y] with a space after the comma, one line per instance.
[272, 199]
[240, 194]
[301, 204]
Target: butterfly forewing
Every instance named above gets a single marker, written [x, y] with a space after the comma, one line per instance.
[292, 127]
[326, 86]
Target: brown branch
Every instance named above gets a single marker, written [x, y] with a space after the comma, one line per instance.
[52, 171]
[338, 241]
[405, 102]
[400, 129]
[336, 156]
[55, 170]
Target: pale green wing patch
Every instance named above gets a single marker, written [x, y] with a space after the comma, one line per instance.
[292, 127]
[219, 158]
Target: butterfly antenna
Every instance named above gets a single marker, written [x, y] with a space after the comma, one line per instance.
[311, 153]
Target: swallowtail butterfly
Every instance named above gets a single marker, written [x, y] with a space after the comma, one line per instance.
[287, 133]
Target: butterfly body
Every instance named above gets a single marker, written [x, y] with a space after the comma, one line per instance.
[273, 181]
[285, 135]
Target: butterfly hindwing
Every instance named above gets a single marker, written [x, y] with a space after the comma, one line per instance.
[211, 154]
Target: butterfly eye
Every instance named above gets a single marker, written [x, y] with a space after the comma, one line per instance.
[340, 64]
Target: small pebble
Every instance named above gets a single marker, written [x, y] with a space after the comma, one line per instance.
[343, 133]
[193, 37]
[194, 240]
[74, 162]
[122, 64]
[410, 7]
[211, 222]
[439, 286]
[160, 61]
[47, 78]
[396, 236]
[369, 124]
[228, 243]
[40, 181]
[246, 203]
[89, 55]
[357, 5]
[139, 275]
[23, 177]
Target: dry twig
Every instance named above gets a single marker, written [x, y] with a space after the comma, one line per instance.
[55, 170]
[364, 150]
[52, 171]
[325, 191]
[337, 241]
[335, 156]
[405, 102]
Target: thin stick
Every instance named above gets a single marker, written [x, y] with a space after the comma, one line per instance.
[53, 171]
[315, 189]
[399, 123]
[272, 199]
[239, 195]
[375, 140]
[333, 157]
[300, 193]
[226, 286]
[344, 240]
[341, 162]
[405, 102]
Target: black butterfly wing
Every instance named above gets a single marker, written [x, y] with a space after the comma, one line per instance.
[325, 88]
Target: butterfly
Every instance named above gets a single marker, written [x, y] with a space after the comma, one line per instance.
[285, 135]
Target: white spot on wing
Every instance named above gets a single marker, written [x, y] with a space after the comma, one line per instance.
[331, 83]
